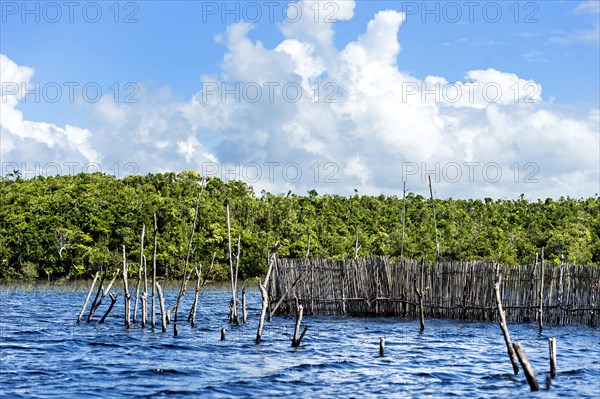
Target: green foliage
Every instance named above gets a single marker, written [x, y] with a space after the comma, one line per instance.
[72, 226]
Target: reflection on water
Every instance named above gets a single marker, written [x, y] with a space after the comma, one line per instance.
[44, 354]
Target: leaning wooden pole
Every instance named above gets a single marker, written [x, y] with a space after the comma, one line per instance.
[139, 280]
[437, 242]
[526, 367]
[273, 309]
[185, 278]
[87, 298]
[552, 347]
[153, 310]
[179, 300]
[126, 291]
[113, 300]
[265, 295]
[541, 300]
[509, 347]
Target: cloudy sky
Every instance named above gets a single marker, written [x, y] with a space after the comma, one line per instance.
[490, 99]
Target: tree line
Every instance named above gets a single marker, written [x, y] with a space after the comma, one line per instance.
[72, 226]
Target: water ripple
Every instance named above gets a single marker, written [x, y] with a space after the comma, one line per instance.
[44, 354]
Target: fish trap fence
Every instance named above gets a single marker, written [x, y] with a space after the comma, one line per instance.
[377, 286]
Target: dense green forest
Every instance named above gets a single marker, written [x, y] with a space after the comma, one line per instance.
[71, 226]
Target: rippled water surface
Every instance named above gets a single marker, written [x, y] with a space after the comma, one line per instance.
[45, 354]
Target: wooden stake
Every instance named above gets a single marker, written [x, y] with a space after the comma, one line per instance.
[87, 298]
[559, 293]
[145, 296]
[126, 291]
[296, 340]
[552, 345]
[541, 308]
[420, 297]
[509, 347]
[144, 308]
[237, 264]
[265, 295]
[163, 314]
[244, 315]
[153, 310]
[526, 367]
[381, 346]
[113, 300]
[139, 280]
[138, 285]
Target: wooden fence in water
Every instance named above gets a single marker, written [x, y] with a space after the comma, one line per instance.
[376, 286]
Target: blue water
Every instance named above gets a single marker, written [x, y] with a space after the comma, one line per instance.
[45, 354]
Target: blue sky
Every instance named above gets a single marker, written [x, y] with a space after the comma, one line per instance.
[160, 52]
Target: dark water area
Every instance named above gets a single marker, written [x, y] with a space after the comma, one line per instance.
[45, 354]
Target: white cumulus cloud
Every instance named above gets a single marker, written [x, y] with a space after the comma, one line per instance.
[346, 118]
[25, 141]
